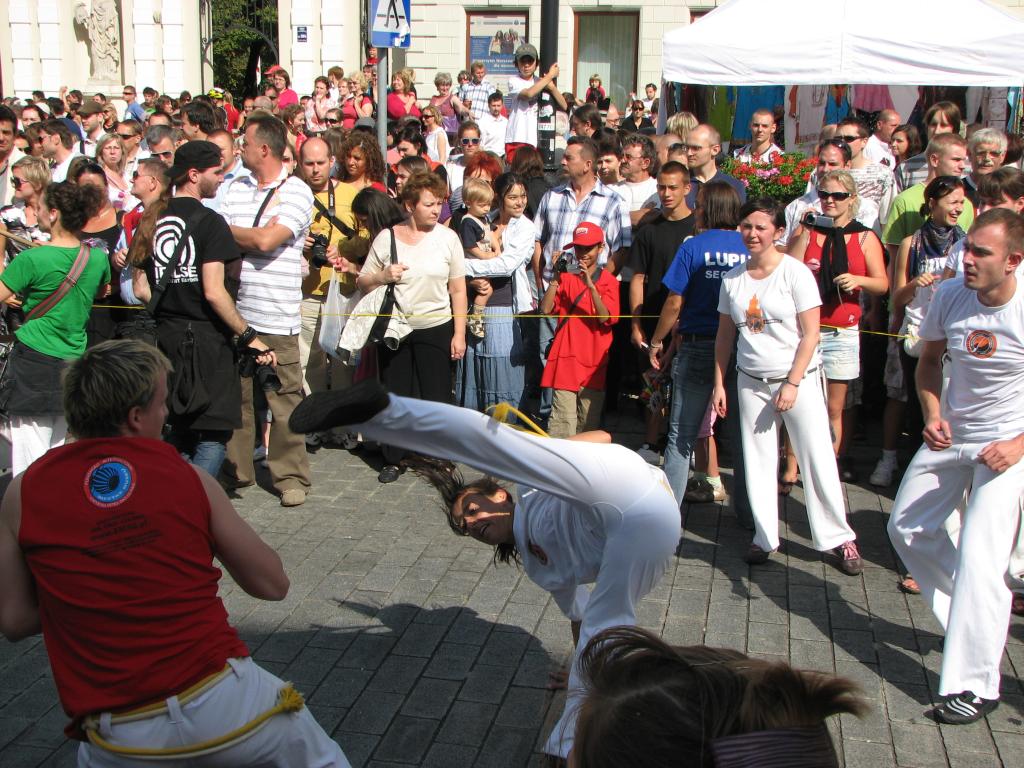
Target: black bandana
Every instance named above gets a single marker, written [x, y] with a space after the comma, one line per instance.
[834, 261]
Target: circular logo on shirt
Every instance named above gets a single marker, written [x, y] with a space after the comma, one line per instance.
[109, 482]
[981, 344]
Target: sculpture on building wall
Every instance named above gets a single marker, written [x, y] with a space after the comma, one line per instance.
[102, 24]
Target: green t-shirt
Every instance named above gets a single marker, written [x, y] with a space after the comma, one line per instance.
[905, 217]
[38, 272]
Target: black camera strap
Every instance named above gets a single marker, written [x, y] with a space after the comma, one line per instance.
[328, 212]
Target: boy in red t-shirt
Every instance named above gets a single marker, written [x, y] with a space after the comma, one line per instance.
[586, 299]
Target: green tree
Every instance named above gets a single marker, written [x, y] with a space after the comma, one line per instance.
[235, 50]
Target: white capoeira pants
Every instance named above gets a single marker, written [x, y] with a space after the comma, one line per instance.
[642, 525]
[291, 740]
[964, 582]
[807, 424]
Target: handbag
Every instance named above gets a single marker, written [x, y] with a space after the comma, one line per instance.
[70, 280]
[186, 393]
[334, 317]
[377, 318]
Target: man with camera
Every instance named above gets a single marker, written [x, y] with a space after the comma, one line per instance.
[270, 213]
[332, 224]
[184, 285]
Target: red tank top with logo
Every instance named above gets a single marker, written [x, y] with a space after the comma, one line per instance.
[839, 310]
[116, 533]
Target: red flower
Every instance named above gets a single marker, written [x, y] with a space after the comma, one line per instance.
[785, 180]
[807, 176]
[777, 160]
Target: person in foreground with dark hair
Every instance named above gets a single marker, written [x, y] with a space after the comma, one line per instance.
[651, 705]
[586, 514]
[118, 575]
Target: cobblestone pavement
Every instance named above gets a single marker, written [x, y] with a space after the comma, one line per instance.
[412, 649]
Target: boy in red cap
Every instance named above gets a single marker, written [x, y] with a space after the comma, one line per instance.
[586, 299]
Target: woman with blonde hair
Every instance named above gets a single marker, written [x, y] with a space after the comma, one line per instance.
[681, 123]
[846, 259]
[435, 134]
[355, 103]
[112, 158]
[30, 176]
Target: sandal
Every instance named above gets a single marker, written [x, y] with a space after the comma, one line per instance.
[785, 486]
[909, 586]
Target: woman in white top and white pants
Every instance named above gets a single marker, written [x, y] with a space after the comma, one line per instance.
[773, 302]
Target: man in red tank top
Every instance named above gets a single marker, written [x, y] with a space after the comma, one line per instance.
[118, 575]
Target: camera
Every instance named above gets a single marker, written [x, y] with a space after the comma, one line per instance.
[318, 251]
[813, 219]
[567, 262]
[265, 375]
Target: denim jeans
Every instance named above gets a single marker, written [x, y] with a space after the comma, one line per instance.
[546, 332]
[204, 449]
[693, 379]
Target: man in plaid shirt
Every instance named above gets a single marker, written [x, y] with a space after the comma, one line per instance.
[561, 210]
[477, 90]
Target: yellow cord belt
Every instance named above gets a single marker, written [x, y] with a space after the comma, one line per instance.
[502, 413]
[288, 700]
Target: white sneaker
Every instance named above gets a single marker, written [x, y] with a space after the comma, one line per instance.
[648, 454]
[884, 471]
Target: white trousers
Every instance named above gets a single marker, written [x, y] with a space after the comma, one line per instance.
[641, 531]
[292, 740]
[807, 425]
[32, 436]
[964, 582]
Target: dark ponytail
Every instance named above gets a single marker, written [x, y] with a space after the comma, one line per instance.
[142, 240]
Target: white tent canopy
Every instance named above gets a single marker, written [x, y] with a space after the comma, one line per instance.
[883, 42]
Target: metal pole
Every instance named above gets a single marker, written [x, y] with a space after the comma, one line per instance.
[382, 99]
[548, 56]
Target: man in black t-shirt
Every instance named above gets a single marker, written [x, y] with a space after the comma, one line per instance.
[652, 253]
[195, 313]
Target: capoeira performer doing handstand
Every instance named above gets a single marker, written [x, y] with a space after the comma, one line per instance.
[585, 514]
[975, 441]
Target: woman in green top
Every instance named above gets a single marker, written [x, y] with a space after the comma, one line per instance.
[31, 395]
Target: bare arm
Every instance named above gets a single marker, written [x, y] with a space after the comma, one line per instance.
[547, 302]
[252, 563]
[460, 306]
[593, 436]
[723, 351]
[936, 434]
[219, 298]
[19, 610]
[541, 84]
[636, 308]
[262, 239]
[876, 281]
[140, 285]
[666, 321]
[903, 290]
[537, 266]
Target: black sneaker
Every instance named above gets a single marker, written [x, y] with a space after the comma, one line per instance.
[963, 708]
[321, 411]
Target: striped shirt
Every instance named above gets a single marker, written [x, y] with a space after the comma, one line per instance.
[558, 215]
[270, 285]
[477, 95]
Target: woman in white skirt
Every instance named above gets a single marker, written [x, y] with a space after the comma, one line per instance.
[594, 525]
[773, 302]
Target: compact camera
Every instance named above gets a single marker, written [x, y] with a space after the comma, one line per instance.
[567, 262]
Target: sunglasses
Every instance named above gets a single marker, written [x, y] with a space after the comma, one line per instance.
[836, 142]
[126, 136]
[638, 109]
[467, 142]
[332, 121]
[677, 147]
[850, 139]
[136, 176]
[16, 182]
[837, 196]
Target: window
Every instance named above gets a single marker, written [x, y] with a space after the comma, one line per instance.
[606, 45]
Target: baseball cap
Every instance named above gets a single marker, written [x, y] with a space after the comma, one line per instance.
[365, 122]
[526, 49]
[215, 93]
[273, 69]
[586, 235]
[89, 107]
[195, 154]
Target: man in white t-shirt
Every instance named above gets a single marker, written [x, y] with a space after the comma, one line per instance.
[525, 89]
[639, 189]
[761, 148]
[878, 149]
[493, 126]
[973, 443]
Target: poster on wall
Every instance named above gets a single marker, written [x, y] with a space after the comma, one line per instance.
[493, 38]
